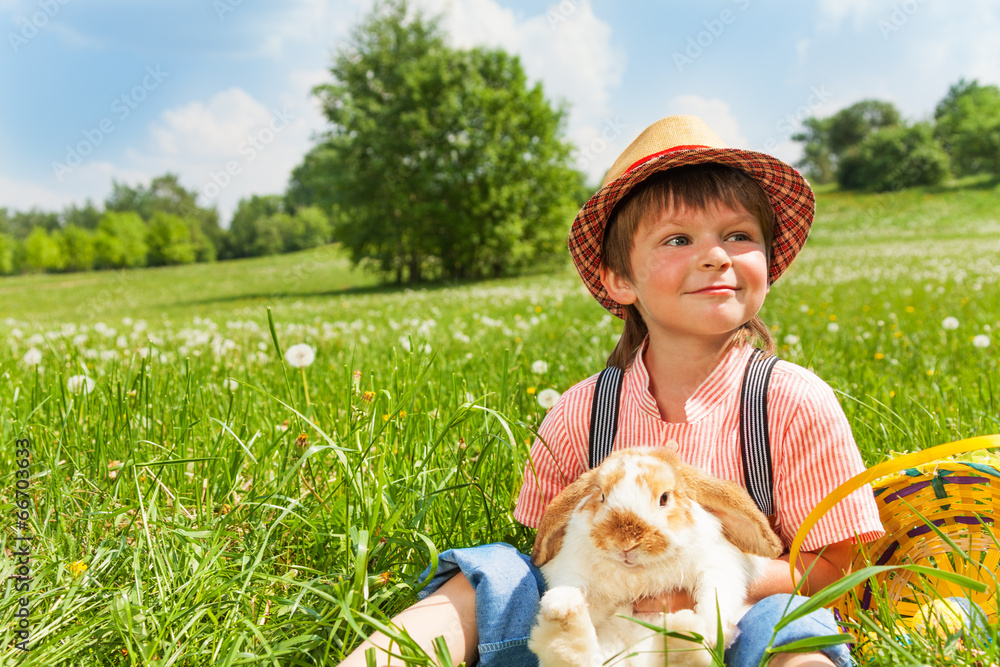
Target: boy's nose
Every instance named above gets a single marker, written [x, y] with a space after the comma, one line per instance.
[715, 257]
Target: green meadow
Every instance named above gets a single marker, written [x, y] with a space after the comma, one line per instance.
[196, 499]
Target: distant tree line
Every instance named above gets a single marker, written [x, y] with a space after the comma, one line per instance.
[868, 146]
[158, 225]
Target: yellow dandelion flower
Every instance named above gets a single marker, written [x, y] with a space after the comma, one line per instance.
[879, 355]
[538, 309]
[930, 372]
[76, 568]
[897, 334]
[833, 318]
[531, 390]
[892, 394]
[385, 418]
[910, 309]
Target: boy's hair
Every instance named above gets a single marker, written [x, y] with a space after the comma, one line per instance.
[691, 186]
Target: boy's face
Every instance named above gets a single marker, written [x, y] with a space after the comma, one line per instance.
[695, 272]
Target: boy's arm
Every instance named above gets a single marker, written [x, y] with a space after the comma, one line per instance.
[824, 567]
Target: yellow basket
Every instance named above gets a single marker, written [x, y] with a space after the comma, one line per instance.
[960, 497]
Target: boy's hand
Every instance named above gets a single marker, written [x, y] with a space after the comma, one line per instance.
[668, 603]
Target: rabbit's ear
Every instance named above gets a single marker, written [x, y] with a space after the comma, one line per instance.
[551, 530]
[743, 523]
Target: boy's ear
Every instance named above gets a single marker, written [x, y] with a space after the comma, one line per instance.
[617, 287]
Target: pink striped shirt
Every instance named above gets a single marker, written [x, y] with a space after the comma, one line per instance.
[812, 447]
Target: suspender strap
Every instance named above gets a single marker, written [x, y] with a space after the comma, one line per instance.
[755, 442]
[604, 414]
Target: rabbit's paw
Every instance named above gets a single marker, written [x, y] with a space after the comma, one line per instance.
[564, 634]
[563, 602]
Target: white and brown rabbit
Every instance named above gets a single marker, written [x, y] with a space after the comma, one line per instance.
[639, 525]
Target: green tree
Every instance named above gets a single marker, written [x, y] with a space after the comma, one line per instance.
[42, 251]
[84, 217]
[831, 141]
[307, 228]
[968, 125]
[243, 229]
[817, 162]
[78, 248]
[165, 194]
[849, 127]
[444, 162]
[269, 234]
[169, 240]
[120, 241]
[309, 184]
[895, 158]
[8, 253]
[22, 223]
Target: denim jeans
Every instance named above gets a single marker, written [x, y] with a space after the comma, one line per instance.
[508, 590]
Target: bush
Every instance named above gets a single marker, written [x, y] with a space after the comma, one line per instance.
[169, 240]
[43, 252]
[894, 158]
[120, 241]
[78, 248]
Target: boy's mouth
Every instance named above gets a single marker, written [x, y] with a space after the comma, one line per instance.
[715, 289]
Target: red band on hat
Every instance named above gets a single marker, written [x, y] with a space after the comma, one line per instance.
[669, 150]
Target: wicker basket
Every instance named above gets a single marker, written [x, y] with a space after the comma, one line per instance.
[960, 498]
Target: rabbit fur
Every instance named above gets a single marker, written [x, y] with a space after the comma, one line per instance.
[639, 525]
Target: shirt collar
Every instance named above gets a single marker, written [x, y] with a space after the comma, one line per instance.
[721, 384]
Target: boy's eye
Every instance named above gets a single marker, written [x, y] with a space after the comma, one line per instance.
[677, 241]
[741, 236]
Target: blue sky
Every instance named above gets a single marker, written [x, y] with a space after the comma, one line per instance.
[102, 90]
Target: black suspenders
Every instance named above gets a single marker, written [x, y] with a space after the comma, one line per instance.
[755, 443]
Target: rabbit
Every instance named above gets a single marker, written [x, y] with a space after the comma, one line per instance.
[639, 525]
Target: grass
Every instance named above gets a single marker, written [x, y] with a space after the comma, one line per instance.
[224, 518]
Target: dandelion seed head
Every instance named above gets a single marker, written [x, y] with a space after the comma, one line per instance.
[548, 397]
[300, 355]
[950, 323]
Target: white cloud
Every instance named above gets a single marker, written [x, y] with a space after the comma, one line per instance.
[232, 145]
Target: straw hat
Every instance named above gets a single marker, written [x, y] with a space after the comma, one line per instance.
[673, 142]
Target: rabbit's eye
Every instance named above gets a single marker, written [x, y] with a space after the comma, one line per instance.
[664, 498]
